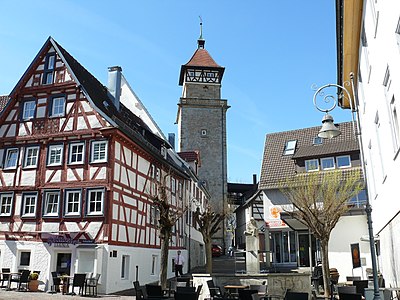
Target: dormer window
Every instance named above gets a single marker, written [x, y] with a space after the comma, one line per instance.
[290, 147]
[317, 140]
[312, 165]
[343, 161]
[49, 65]
[327, 163]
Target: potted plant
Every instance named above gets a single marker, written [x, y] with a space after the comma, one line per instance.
[33, 284]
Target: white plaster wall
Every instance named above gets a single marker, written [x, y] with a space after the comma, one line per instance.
[349, 230]
[140, 257]
[381, 154]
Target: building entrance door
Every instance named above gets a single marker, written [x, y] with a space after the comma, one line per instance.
[63, 263]
[305, 250]
[283, 247]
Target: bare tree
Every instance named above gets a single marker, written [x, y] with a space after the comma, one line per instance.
[319, 199]
[208, 224]
[167, 219]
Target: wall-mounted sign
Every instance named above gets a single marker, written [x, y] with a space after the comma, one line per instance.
[355, 255]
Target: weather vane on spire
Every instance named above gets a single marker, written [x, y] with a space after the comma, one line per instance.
[201, 28]
[201, 41]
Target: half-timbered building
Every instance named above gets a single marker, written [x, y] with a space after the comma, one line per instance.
[79, 168]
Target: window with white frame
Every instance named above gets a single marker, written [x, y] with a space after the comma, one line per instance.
[24, 258]
[343, 161]
[173, 185]
[312, 165]
[327, 163]
[11, 158]
[73, 202]
[57, 106]
[290, 147]
[6, 204]
[76, 153]
[99, 151]
[29, 201]
[125, 267]
[95, 202]
[51, 203]
[55, 155]
[49, 65]
[28, 110]
[31, 157]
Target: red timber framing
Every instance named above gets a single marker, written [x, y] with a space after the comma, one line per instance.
[68, 168]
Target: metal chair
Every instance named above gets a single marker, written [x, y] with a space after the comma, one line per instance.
[79, 282]
[55, 288]
[153, 290]
[91, 285]
[215, 291]
[347, 289]
[345, 296]
[5, 277]
[360, 286]
[23, 279]
[296, 296]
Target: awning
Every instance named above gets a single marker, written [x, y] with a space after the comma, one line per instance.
[293, 223]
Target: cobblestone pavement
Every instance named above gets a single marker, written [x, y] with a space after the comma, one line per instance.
[14, 295]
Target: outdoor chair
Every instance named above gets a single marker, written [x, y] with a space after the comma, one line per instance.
[316, 278]
[78, 282]
[198, 290]
[172, 285]
[296, 296]
[345, 296]
[215, 291]
[5, 277]
[55, 288]
[246, 294]
[23, 279]
[91, 285]
[185, 289]
[360, 286]
[261, 289]
[154, 291]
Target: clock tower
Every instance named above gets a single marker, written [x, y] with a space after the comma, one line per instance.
[201, 123]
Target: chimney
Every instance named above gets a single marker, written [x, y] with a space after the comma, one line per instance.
[171, 139]
[255, 179]
[114, 84]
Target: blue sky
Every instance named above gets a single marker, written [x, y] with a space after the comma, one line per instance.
[273, 52]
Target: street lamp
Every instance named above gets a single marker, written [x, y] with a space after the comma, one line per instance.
[329, 130]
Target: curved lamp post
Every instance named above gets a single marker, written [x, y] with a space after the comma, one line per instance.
[329, 130]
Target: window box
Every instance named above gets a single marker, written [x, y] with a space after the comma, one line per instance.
[6, 200]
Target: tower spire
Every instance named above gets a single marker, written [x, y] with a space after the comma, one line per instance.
[201, 41]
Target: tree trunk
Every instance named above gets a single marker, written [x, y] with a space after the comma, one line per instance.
[207, 245]
[164, 261]
[325, 268]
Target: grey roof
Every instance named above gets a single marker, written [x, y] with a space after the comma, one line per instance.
[277, 166]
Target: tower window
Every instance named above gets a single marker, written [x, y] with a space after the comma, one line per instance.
[204, 132]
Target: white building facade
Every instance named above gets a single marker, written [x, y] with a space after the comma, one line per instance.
[373, 55]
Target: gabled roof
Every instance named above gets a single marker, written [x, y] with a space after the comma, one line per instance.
[99, 97]
[276, 166]
[3, 102]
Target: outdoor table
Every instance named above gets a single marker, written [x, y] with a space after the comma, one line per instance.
[65, 279]
[232, 290]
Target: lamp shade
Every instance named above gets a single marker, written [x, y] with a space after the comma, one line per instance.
[328, 129]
